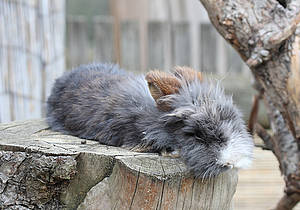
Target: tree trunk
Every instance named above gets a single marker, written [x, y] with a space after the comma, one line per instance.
[42, 169]
[264, 33]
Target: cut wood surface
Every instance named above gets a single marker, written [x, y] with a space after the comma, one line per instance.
[42, 169]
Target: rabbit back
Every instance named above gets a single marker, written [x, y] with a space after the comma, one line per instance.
[100, 102]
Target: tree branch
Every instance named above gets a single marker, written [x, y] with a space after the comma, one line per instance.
[262, 146]
[254, 112]
[264, 34]
[288, 202]
[276, 25]
[265, 136]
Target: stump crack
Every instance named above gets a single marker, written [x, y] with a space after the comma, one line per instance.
[11, 126]
[135, 188]
[159, 203]
[41, 130]
[193, 186]
[178, 192]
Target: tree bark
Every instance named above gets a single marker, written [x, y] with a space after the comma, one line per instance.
[265, 34]
[42, 169]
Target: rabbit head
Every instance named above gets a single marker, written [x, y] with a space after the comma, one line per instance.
[207, 127]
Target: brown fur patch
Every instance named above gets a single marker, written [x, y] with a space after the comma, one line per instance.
[162, 83]
[187, 73]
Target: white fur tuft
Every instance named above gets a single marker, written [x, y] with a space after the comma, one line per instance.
[238, 152]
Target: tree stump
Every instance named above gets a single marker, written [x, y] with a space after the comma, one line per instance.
[42, 169]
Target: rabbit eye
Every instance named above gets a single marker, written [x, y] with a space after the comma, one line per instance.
[200, 137]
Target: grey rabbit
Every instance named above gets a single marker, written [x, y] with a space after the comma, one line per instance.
[177, 113]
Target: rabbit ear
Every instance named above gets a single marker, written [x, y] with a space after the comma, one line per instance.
[181, 113]
[188, 74]
[162, 84]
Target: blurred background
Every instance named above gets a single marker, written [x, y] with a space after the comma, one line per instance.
[41, 39]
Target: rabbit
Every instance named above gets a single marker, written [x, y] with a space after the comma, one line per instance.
[177, 114]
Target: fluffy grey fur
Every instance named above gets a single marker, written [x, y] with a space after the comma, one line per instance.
[102, 102]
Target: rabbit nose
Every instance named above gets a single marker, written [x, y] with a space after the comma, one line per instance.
[230, 165]
[227, 164]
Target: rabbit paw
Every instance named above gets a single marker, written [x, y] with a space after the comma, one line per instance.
[141, 148]
[173, 154]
